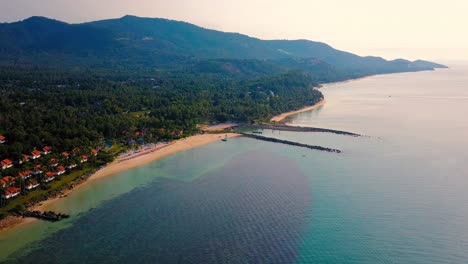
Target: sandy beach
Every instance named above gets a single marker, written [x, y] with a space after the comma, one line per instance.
[145, 155]
[125, 162]
[280, 118]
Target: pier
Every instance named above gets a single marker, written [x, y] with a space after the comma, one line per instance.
[291, 143]
[298, 129]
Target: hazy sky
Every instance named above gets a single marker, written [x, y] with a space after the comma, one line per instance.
[428, 29]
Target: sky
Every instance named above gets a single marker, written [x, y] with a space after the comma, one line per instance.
[411, 29]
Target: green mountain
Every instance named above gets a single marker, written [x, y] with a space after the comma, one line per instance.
[134, 42]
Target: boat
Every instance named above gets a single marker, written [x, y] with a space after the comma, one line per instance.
[225, 138]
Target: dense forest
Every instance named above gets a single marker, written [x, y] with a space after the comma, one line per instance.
[72, 109]
[80, 88]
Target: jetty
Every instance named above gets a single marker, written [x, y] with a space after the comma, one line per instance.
[280, 127]
[291, 143]
[47, 216]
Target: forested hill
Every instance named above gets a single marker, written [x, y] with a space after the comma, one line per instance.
[166, 44]
[103, 85]
[70, 85]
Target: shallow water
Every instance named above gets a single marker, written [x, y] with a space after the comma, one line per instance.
[395, 196]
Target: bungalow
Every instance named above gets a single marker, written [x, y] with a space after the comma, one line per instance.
[65, 155]
[60, 170]
[11, 192]
[2, 139]
[37, 170]
[46, 150]
[71, 166]
[25, 174]
[49, 176]
[32, 185]
[76, 150]
[94, 152]
[6, 164]
[7, 181]
[35, 154]
[53, 162]
[23, 159]
[84, 158]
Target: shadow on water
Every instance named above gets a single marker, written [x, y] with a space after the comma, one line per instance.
[253, 210]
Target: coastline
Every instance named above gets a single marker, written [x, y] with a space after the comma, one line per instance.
[128, 161]
[281, 118]
[124, 162]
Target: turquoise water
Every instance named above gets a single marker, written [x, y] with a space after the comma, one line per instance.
[397, 195]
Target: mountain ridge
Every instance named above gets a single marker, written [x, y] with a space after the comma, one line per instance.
[164, 43]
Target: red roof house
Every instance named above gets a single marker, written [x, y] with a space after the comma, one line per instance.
[49, 176]
[53, 162]
[11, 192]
[35, 154]
[25, 174]
[84, 158]
[32, 185]
[46, 150]
[2, 139]
[37, 169]
[7, 181]
[60, 170]
[6, 164]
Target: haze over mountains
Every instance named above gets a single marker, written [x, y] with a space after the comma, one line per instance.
[134, 42]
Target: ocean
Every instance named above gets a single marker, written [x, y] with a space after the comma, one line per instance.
[396, 195]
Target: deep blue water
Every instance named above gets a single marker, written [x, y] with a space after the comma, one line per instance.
[397, 195]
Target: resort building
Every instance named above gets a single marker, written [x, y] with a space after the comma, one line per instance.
[35, 154]
[53, 162]
[2, 139]
[71, 166]
[32, 185]
[84, 158]
[7, 181]
[65, 155]
[46, 150]
[94, 152]
[6, 164]
[11, 192]
[37, 170]
[23, 159]
[60, 170]
[49, 176]
[25, 174]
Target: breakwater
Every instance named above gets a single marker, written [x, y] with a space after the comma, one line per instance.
[291, 143]
[47, 216]
[297, 129]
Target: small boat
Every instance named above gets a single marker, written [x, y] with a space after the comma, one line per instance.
[257, 132]
[225, 138]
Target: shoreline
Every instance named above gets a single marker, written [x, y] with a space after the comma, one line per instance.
[134, 158]
[123, 162]
[281, 118]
